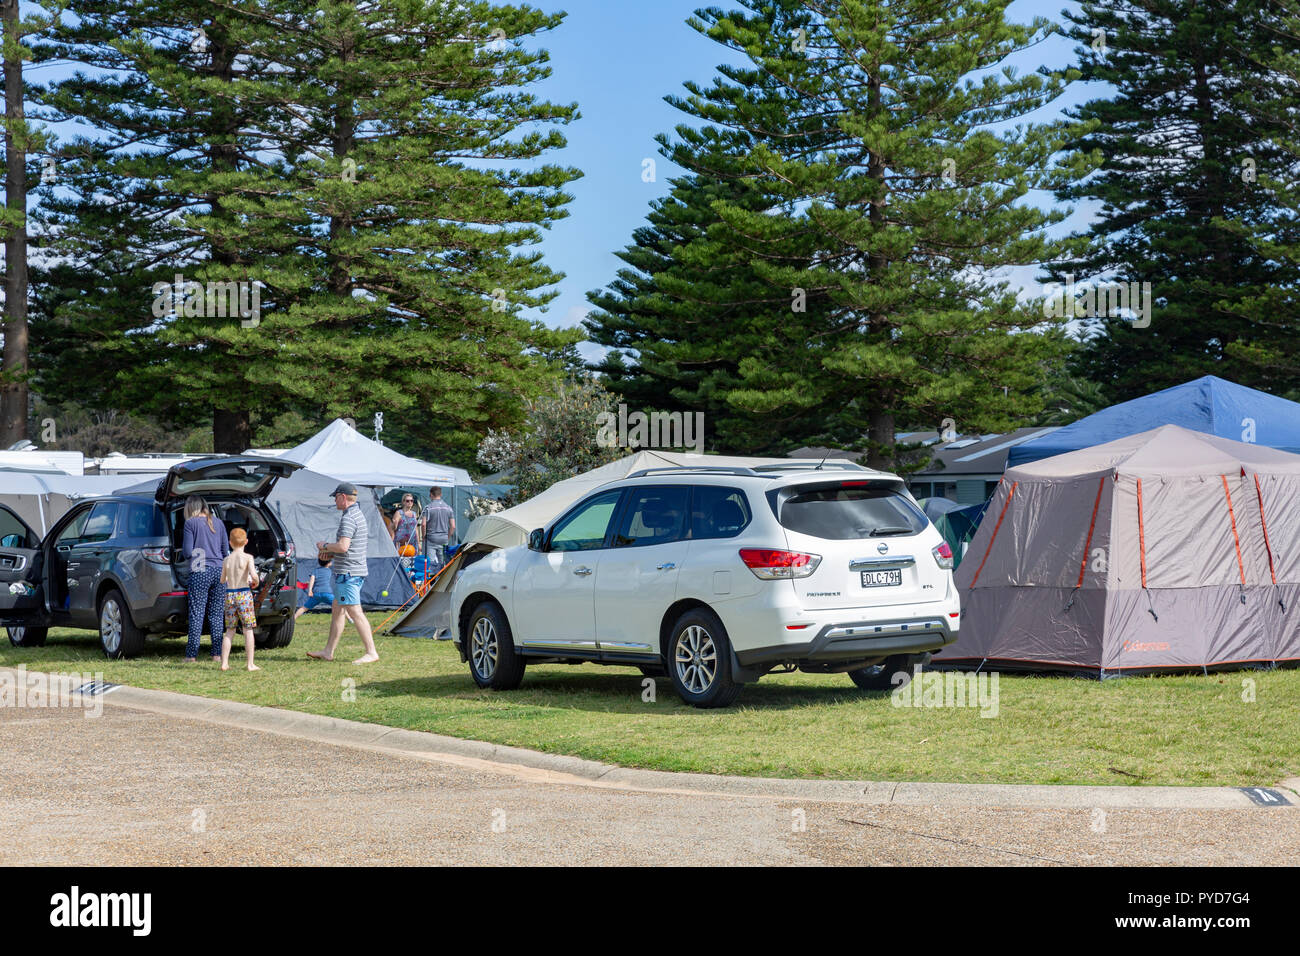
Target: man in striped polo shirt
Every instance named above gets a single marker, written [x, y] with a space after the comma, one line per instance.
[349, 551]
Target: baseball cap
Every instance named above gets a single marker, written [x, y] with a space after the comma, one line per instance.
[344, 488]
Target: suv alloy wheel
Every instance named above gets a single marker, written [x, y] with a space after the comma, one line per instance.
[699, 660]
[492, 658]
[118, 635]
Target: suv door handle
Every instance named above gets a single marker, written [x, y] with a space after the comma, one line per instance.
[582, 571]
[666, 566]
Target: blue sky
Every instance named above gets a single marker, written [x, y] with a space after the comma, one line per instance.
[617, 60]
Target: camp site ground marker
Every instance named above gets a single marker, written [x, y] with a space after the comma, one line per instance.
[1265, 797]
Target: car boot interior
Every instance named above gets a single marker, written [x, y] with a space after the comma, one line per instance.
[262, 543]
[261, 539]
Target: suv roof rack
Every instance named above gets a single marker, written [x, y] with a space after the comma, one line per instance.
[717, 469]
[757, 471]
[805, 465]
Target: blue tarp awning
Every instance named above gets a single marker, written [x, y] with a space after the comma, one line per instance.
[1210, 404]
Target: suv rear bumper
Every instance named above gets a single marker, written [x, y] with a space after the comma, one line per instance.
[775, 626]
[168, 613]
[857, 640]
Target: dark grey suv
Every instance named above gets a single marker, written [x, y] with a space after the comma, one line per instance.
[114, 564]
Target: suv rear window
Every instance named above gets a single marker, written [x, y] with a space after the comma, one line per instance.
[236, 477]
[140, 520]
[719, 512]
[839, 513]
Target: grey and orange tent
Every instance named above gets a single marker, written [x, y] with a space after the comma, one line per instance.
[1169, 549]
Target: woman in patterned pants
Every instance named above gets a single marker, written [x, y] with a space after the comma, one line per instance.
[207, 600]
[204, 546]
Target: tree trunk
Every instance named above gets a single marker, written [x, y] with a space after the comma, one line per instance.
[880, 433]
[231, 432]
[13, 390]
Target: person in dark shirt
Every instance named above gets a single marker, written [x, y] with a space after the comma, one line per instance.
[439, 529]
[204, 546]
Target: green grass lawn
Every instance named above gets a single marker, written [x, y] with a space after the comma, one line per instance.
[1193, 730]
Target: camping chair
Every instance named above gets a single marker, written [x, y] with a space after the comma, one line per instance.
[417, 569]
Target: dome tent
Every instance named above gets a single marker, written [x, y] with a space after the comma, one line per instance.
[1166, 549]
[958, 527]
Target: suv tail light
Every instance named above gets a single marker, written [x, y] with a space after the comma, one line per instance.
[291, 550]
[943, 556]
[771, 564]
[157, 555]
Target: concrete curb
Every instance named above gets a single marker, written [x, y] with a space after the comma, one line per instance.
[557, 769]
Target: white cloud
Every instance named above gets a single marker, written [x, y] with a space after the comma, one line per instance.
[573, 317]
[591, 352]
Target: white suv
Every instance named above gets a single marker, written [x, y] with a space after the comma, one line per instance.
[717, 576]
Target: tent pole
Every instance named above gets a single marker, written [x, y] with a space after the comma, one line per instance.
[997, 527]
[1268, 548]
[1142, 553]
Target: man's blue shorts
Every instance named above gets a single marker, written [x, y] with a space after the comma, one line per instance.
[347, 588]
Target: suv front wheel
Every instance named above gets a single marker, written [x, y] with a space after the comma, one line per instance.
[699, 660]
[118, 635]
[492, 659]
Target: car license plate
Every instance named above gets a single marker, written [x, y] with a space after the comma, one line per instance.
[892, 577]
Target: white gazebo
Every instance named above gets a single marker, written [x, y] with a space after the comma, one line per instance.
[343, 453]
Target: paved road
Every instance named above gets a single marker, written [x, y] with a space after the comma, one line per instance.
[132, 787]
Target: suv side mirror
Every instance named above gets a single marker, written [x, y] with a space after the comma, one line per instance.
[537, 539]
